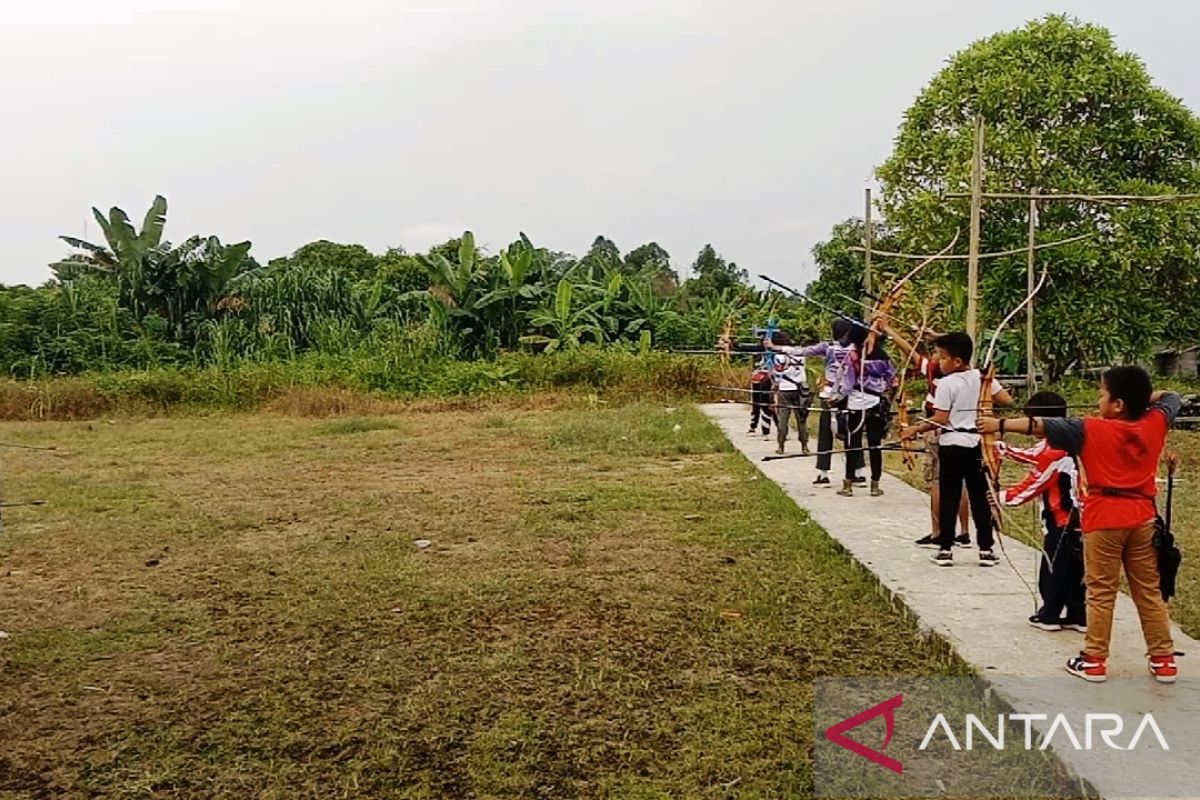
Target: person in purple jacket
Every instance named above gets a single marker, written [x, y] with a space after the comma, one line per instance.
[836, 384]
[867, 405]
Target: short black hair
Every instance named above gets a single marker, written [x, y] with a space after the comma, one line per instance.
[782, 339]
[1132, 386]
[1046, 404]
[958, 344]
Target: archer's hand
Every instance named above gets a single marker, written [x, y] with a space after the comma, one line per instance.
[909, 432]
[768, 344]
[987, 424]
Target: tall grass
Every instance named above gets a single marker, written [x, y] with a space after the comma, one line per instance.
[384, 367]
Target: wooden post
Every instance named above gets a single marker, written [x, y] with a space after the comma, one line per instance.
[973, 249]
[1030, 367]
[867, 245]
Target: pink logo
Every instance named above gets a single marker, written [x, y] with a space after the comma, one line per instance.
[836, 733]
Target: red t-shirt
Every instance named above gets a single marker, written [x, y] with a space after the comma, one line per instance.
[1117, 454]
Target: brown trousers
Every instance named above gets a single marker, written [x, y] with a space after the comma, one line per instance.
[1104, 552]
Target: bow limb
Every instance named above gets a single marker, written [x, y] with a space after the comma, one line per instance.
[902, 396]
[987, 441]
[883, 310]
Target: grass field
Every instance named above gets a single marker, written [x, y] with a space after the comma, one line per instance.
[609, 606]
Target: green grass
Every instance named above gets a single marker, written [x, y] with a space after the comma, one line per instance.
[611, 607]
[342, 427]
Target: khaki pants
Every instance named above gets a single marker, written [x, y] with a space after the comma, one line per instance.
[1104, 552]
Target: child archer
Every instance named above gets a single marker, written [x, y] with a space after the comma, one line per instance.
[1119, 451]
[929, 370]
[761, 387]
[1054, 479]
[836, 385]
[960, 454]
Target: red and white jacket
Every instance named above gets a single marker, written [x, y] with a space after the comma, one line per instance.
[1054, 478]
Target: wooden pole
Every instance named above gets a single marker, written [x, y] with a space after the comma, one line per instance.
[1084, 198]
[959, 256]
[973, 246]
[1030, 367]
[867, 243]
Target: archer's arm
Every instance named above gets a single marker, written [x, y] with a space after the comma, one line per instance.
[905, 346]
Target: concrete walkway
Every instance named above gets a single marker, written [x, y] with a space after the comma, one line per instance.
[982, 614]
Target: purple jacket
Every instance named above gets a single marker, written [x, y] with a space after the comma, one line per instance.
[837, 363]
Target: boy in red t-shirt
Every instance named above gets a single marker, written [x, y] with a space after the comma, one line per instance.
[1119, 450]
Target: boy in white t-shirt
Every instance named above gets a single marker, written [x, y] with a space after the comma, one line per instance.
[960, 457]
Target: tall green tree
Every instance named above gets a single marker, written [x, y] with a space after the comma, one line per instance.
[353, 260]
[655, 261]
[601, 257]
[1063, 111]
[713, 276]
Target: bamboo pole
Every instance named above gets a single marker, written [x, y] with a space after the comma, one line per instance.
[973, 244]
[1030, 368]
[1087, 198]
[867, 243]
[958, 257]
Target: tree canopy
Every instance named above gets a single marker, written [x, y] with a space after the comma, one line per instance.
[1064, 111]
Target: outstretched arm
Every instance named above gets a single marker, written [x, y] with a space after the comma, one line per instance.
[905, 346]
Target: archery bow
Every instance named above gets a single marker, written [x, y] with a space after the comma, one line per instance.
[910, 460]
[725, 345]
[987, 441]
[883, 310]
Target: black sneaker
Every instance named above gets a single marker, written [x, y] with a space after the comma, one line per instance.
[1037, 622]
[943, 558]
[962, 540]
[822, 480]
[927, 541]
[987, 558]
[859, 481]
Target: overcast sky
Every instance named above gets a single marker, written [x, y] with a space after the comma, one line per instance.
[753, 125]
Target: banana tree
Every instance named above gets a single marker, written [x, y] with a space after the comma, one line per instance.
[128, 253]
[513, 288]
[456, 294]
[190, 278]
[645, 308]
[566, 324]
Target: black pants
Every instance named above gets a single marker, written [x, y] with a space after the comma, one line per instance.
[760, 405]
[957, 466]
[873, 427]
[1060, 579]
[825, 437]
[793, 403]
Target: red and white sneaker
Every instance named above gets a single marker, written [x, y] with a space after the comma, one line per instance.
[1163, 668]
[1093, 670]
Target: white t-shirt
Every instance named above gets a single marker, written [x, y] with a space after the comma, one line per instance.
[959, 394]
[790, 372]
